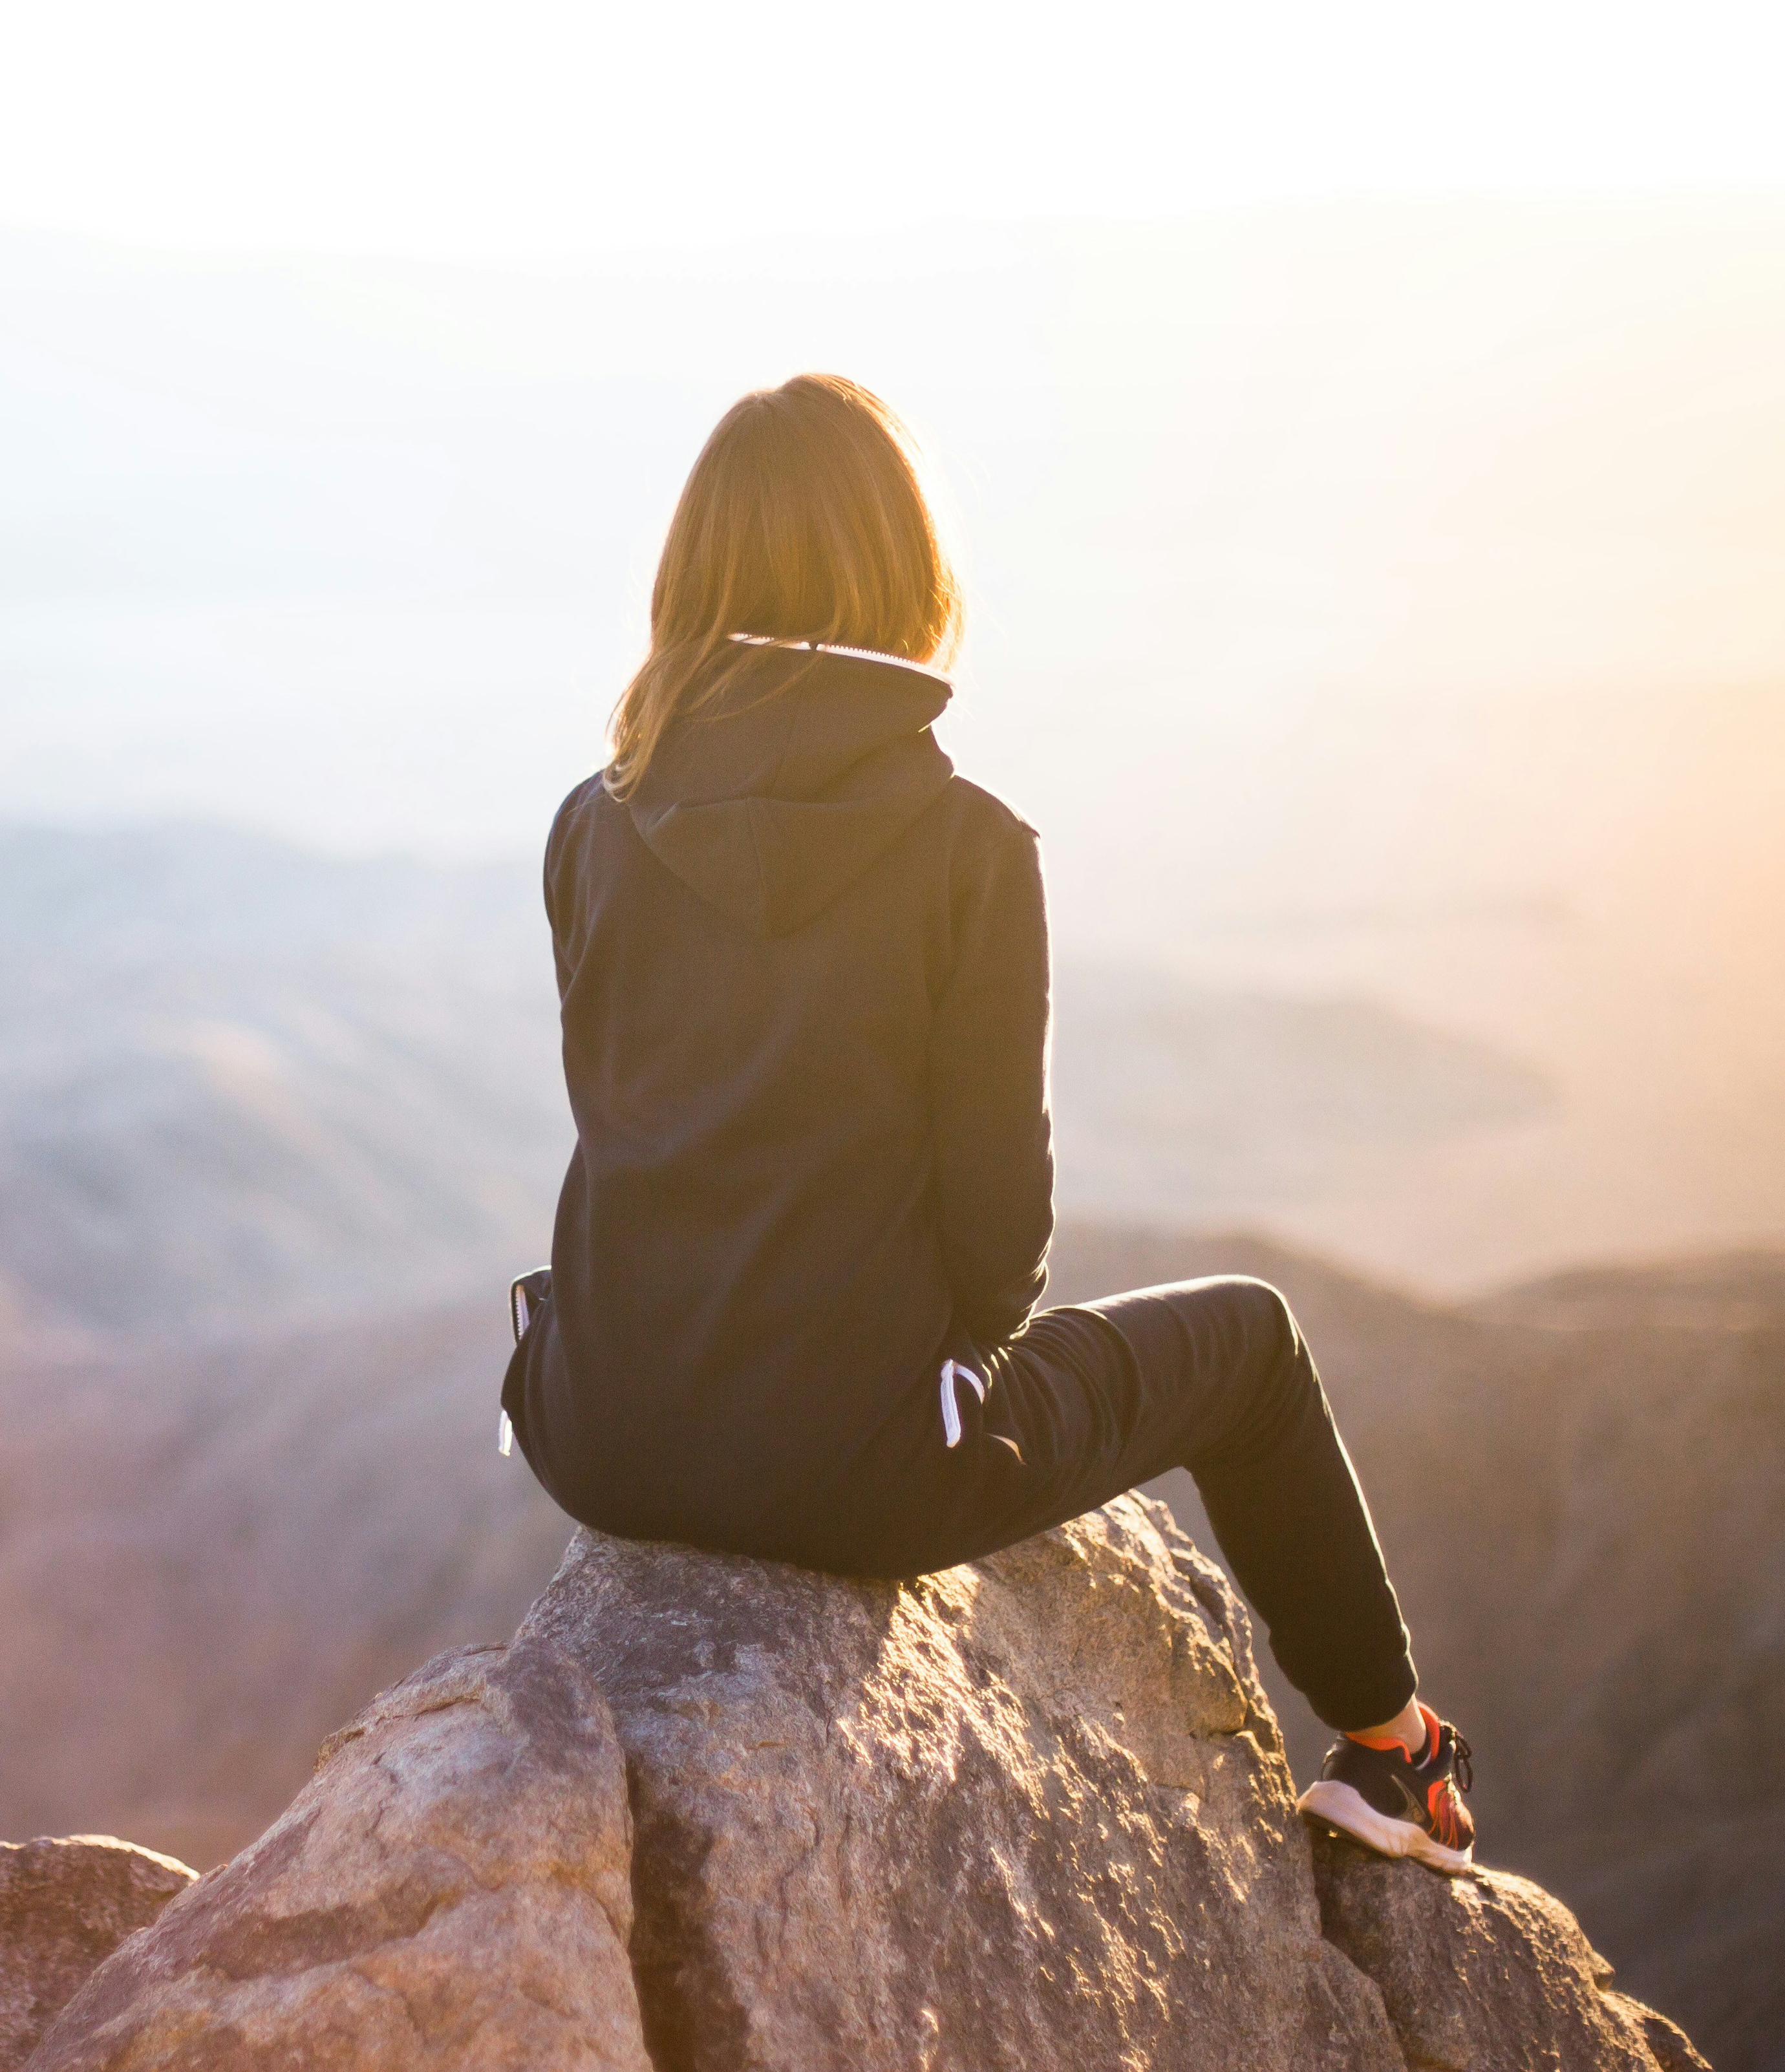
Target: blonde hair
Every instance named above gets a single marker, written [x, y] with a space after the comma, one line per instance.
[804, 520]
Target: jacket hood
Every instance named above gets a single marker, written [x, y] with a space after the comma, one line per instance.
[779, 793]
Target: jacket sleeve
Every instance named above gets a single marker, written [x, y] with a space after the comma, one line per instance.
[559, 894]
[993, 1137]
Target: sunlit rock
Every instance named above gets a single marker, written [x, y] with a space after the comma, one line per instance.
[1029, 1815]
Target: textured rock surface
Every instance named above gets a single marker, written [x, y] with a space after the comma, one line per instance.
[450, 1889]
[1486, 1971]
[65, 1906]
[1030, 1815]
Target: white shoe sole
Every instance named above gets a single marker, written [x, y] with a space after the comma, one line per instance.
[1343, 1806]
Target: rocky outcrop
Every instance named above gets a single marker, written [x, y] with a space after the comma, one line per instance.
[1030, 1815]
[1033, 1813]
[450, 1889]
[65, 1906]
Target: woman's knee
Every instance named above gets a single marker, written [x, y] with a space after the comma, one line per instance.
[1276, 1377]
[1270, 1336]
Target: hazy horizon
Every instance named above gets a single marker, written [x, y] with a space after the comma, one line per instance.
[1369, 600]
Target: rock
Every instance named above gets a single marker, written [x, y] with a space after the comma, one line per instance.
[65, 1906]
[1029, 1815]
[1032, 1814]
[1486, 1971]
[451, 1888]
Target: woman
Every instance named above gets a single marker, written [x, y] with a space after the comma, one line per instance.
[791, 1310]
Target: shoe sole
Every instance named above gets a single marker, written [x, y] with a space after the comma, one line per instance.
[1343, 1806]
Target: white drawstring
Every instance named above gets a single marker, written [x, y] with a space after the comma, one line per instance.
[951, 1409]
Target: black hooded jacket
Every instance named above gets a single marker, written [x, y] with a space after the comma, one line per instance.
[803, 972]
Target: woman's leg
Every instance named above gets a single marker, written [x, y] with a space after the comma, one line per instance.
[1212, 1375]
[1257, 1433]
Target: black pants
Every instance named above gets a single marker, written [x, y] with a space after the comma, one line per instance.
[1211, 1376]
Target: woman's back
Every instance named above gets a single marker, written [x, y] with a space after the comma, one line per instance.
[803, 969]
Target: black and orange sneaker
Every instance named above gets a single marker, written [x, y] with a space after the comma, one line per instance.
[1374, 1792]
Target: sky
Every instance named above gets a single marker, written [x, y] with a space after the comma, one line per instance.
[523, 130]
[1227, 414]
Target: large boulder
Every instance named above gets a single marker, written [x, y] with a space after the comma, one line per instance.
[1029, 1815]
[451, 1889]
[1032, 1813]
[66, 1903]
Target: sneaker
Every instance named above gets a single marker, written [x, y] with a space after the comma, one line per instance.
[1376, 1794]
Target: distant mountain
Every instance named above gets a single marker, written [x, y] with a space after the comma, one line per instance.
[1721, 1291]
[1189, 1105]
[213, 1553]
[238, 1079]
[1641, 1649]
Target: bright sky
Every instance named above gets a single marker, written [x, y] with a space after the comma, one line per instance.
[516, 128]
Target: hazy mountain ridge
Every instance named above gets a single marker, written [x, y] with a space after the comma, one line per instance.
[1718, 1291]
[1187, 1104]
[237, 1078]
[213, 1550]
